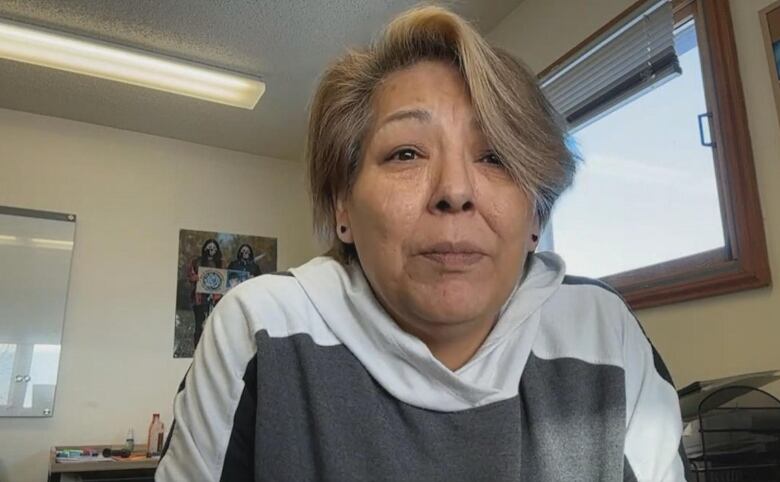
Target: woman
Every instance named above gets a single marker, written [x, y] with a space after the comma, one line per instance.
[245, 261]
[431, 343]
[203, 303]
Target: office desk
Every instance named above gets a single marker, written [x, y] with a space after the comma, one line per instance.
[137, 468]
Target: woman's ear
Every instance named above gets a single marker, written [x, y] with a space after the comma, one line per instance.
[534, 235]
[343, 228]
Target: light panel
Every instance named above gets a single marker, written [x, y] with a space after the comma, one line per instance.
[47, 48]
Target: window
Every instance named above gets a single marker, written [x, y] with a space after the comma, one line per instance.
[658, 169]
[665, 206]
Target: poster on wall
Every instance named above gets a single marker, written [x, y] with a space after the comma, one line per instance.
[210, 265]
[770, 25]
[773, 26]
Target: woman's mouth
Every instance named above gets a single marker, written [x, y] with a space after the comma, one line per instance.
[453, 255]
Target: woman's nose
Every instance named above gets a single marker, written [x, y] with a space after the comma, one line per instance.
[453, 187]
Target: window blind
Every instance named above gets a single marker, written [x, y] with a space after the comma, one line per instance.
[631, 57]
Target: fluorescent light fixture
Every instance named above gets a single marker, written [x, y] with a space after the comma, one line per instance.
[47, 48]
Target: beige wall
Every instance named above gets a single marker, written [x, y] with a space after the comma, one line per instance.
[718, 336]
[132, 193]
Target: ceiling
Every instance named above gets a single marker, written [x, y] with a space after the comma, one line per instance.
[287, 43]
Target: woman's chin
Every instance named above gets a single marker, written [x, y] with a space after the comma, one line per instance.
[453, 301]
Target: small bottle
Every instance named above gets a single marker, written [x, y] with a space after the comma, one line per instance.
[130, 440]
[154, 443]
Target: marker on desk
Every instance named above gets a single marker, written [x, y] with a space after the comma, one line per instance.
[109, 452]
[69, 453]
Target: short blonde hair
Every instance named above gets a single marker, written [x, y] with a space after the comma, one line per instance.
[519, 123]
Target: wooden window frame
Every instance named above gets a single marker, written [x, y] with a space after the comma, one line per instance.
[743, 262]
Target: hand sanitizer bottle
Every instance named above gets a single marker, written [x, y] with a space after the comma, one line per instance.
[130, 440]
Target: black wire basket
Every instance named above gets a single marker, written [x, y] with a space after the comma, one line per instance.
[736, 437]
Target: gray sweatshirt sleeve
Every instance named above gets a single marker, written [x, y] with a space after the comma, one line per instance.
[653, 422]
[210, 437]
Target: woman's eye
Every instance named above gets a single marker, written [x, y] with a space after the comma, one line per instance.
[403, 155]
[492, 158]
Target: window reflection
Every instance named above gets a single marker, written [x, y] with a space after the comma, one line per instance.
[43, 374]
[7, 356]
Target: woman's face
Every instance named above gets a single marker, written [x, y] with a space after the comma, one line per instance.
[211, 250]
[441, 229]
[244, 252]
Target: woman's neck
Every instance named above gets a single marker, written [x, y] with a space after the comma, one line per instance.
[452, 345]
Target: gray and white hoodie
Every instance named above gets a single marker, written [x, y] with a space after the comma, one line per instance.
[303, 376]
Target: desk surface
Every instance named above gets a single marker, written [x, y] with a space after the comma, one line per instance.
[136, 461]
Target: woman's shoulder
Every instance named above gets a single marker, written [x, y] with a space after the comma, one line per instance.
[578, 293]
[268, 291]
[263, 300]
[585, 319]
[275, 303]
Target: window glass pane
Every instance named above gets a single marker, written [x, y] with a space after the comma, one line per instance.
[646, 192]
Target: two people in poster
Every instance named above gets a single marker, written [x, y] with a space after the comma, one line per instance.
[210, 280]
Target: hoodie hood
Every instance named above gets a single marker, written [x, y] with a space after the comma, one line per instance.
[402, 364]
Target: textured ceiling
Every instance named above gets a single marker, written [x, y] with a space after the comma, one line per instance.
[285, 42]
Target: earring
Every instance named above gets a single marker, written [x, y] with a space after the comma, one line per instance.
[343, 229]
[534, 238]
